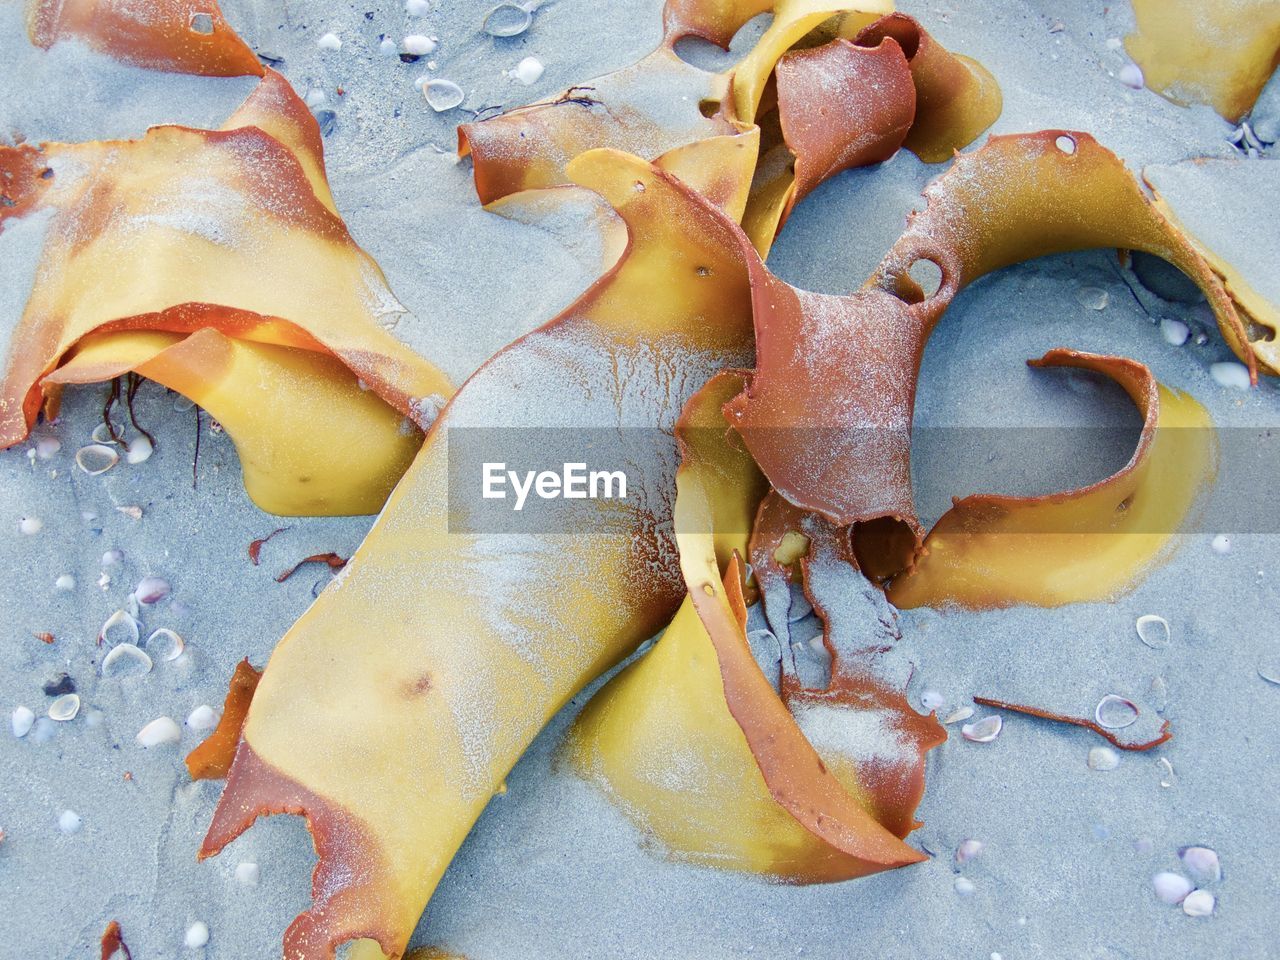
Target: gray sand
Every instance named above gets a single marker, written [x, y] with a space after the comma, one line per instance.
[551, 869]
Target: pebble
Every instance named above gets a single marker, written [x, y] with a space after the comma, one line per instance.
[1103, 758]
[1198, 903]
[1174, 331]
[197, 935]
[964, 886]
[66, 583]
[159, 731]
[1221, 544]
[1171, 888]
[47, 447]
[247, 873]
[30, 526]
[529, 71]
[69, 822]
[1202, 863]
[329, 41]
[985, 730]
[419, 46]
[1230, 374]
[59, 685]
[22, 721]
[1131, 76]
[203, 717]
[139, 450]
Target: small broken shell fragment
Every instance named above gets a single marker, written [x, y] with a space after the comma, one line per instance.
[151, 590]
[64, 708]
[165, 645]
[126, 660]
[159, 731]
[985, 730]
[1198, 903]
[1115, 713]
[959, 714]
[96, 458]
[1171, 888]
[1103, 758]
[442, 95]
[1153, 630]
[1202, 863]
[119, 628]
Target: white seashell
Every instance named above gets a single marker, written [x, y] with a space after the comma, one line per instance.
[247, 873]
[126, 660]
[329, 41]
[139, 450]
[1131, 76]
[197, 935]
[165, 645]
[1103, 758]
[1174, 331]
[1202, 863]
[1115, 713]
[1171, 888]
[528, 71]
[64, 708]
[69, 822]
[968, 849]
[387, 47]
[964, 886]
[102, 434]
[1093, 298]
[508, 19]
[932, 700]
[1221, 544]
[66, 583]
[417, 45]
[1153, 630]
[47, 447]
[416, 8]
[958, 714]
[442, 95]
[119, 628]
[22, 721]
[1198, 903]
[985, 730]
[151, 590]
[113, 558]
[203, 717]
[159, 731]
[96, 458]
[30, 526]
[1230, 374]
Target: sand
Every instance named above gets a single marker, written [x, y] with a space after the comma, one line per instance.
[552, 870]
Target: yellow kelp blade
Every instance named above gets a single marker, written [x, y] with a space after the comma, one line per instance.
[397, 704]
[186, 229]
[311, 441]
[1206, 199]
[694, 744]
[1080, 545]
[178, 36]
[1219, 52]
[827, 412]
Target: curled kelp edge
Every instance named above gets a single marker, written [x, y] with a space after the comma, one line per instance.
[383, 850]
[1090, 543]
[835, 371]
[176, 36]
[716, 487]
[285, 162]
